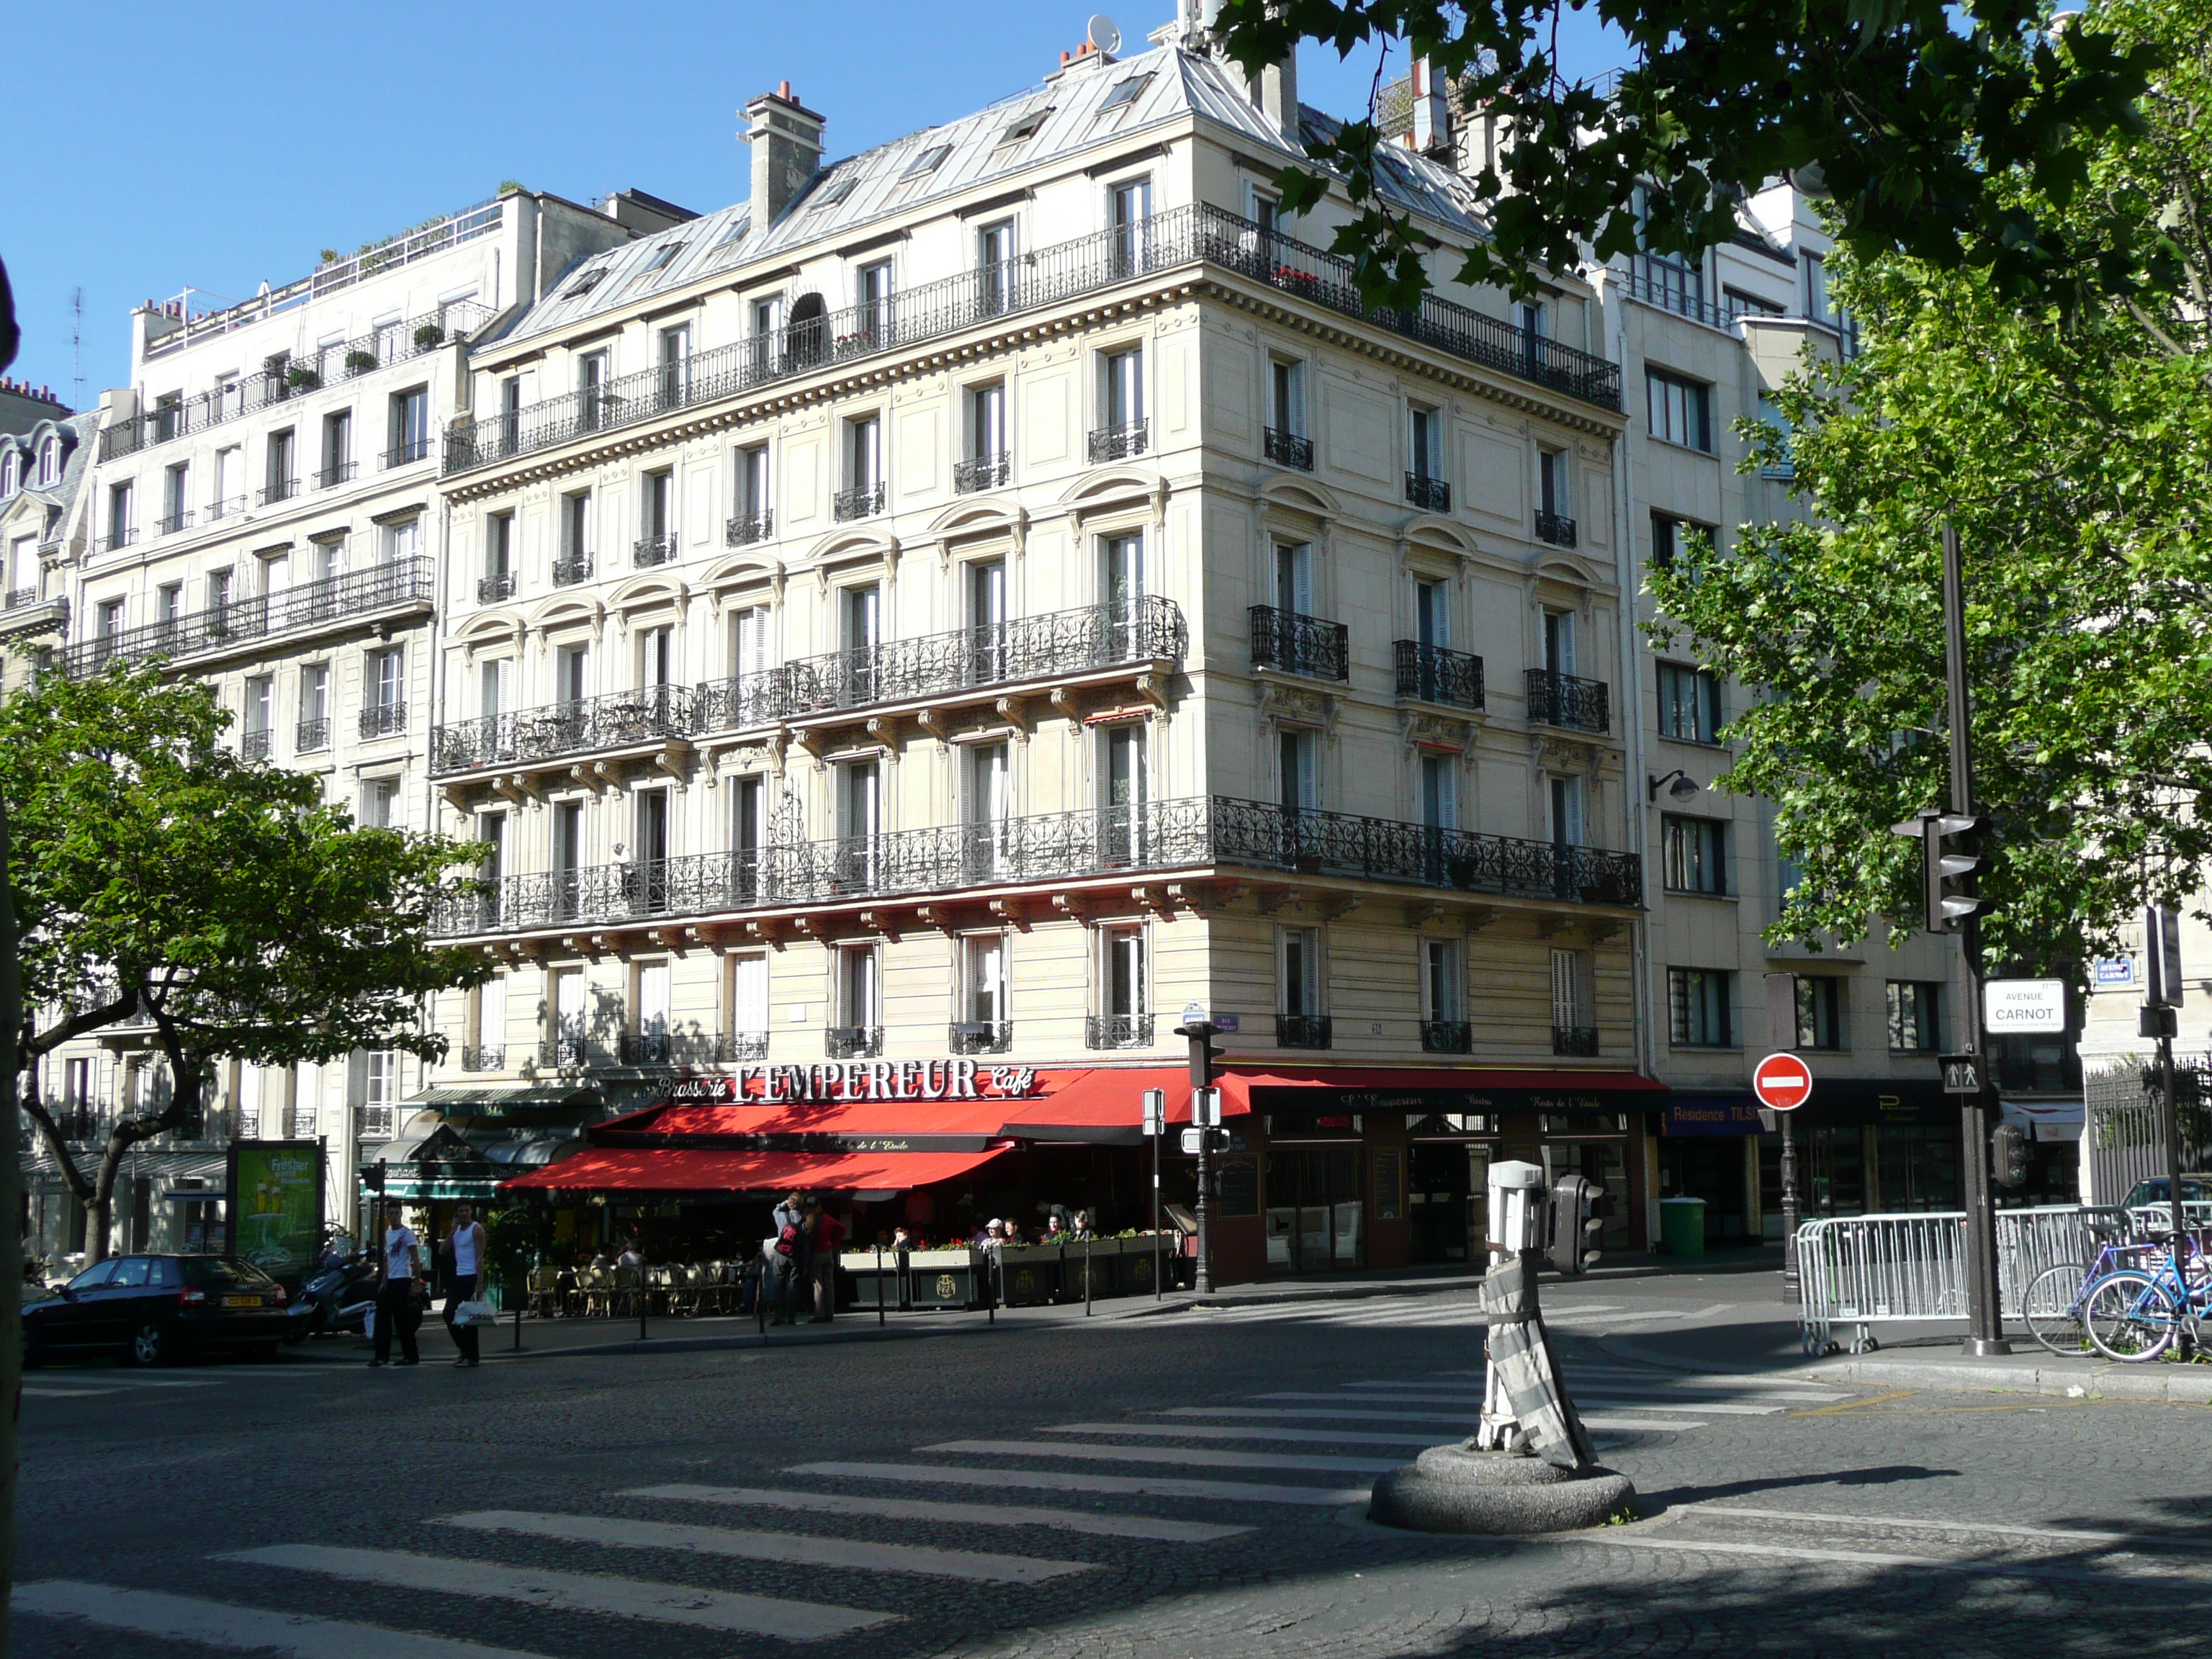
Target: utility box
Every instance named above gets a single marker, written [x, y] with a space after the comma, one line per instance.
[1682, 1225]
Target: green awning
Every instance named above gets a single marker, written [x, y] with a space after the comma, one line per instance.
[430, 1185]
[474, 1098]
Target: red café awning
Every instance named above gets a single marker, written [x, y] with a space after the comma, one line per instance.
[691, 1170]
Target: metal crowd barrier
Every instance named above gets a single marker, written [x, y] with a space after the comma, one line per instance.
[1863, 1270]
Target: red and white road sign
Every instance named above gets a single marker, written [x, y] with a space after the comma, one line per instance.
[1782, 1082]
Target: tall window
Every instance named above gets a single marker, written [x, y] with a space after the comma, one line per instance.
[874, 299]
[1571, 1003]
[1913, 1028]
[571, 672]
[1122, 390]
[1690, 707]
[857, 990]
[1121, 988]
[657, 527]
[379, 801]
[1298, 971]
[1286, 396]
[277, 457]
[1298, 750]
[1699, 1011]
[675, 365]
[864, 453]
[574, 563]
[1816, 289]
[174, 514]
[1681, 411]
[1128, 213]
[1294, 578]
[994, 266]
[591, 388]
[1670, 535]
[379, 1097]
[1122, 791]
[1559, 641]
[1441, 996]
[1551, 494]
[1696, 854]
[118, 516]
[1439, 791]
[410, 426]
[752, 490]
[1424, 445]
[315, 707]
[987, 430]
[983, 978]
[1819, 1011]
[401, 540]
[499, 557]
[260, 708]
[338, 447]
[987, 808]
[1566, 811]
[749, 991]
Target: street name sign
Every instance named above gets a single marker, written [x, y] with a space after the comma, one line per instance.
[1782, 1082]
[2024, 1005]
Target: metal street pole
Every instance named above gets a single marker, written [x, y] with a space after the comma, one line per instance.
[2169, 1112]
[1788, 1204]
[1200, 1034]
[1985, 1316]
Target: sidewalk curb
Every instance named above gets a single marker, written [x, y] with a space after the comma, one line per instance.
[2190, 1385]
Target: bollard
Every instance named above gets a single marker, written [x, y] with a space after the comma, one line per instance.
[1086, 1279]
[879, 1286]
[760, 1299]
[518, 1327]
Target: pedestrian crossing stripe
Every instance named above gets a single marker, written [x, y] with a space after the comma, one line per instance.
[576, 1592]
[1260, 1431]
[1460, 1419]
[1138, 1485]
[951, 1514]
[238, 1629]
[1164, 1455]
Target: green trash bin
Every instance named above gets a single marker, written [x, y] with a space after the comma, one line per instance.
[1682, 1225]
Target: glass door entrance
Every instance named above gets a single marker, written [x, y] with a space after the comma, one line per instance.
[1447, 1198]
[1316, 1221]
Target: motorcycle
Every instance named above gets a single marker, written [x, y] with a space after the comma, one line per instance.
[335, 1298]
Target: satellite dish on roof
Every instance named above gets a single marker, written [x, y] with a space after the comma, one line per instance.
[1104, 35]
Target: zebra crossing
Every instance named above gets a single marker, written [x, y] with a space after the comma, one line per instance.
[1462, 1310]
[1081, 1497]
[89, 1383]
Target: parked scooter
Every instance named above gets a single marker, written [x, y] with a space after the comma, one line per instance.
[335, 1297]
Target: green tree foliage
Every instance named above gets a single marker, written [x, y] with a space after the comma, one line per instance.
[1950, 131]
[2072, 453]
[158, 876]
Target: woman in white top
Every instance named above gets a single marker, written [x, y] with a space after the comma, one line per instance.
[466, 1246]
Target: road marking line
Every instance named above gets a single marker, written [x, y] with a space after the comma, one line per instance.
[240, 1630]
[805, 1548]
[1647, 1376]
[1260, 1431]
[572, 1592]
[1644, 1403]
[1160, 1455]
[66, 1393]
[1872, 1559]
[2059, 1534]
[1082, 1481]
[1854, 1405]
[1458, 1419]
[970, 1514]
[110, 1385]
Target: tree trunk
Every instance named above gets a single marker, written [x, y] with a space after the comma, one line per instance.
[11, 1228]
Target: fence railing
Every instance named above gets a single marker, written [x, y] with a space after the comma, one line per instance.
[1299, 644]
[613, 722]
[311, 605]
[1195, 831]
[1568, 701]
[1434, 674]
[1048, 275]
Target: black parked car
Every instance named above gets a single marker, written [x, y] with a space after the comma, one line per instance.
[154, 1308]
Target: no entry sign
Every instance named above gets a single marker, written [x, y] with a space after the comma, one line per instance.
[1782, 1082]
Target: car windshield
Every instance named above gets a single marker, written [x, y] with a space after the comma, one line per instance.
[218, 1271]
[94, 1276]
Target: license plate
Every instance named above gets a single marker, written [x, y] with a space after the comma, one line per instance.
[242, 1302]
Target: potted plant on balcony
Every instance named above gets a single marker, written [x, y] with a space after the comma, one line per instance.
[429, 335]
[359, 362]
[300, 378]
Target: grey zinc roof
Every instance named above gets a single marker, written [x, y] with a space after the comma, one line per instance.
[1079, 109]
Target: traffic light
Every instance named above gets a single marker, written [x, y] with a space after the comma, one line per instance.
[1575, 1218]
[2010, 1144]
[1953, 860]
[1203, 1053]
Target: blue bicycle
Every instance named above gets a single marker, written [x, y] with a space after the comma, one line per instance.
[2135, 1314]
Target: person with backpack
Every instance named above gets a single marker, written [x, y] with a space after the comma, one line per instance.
[787, 1255]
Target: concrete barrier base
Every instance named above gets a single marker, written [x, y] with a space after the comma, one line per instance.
[1453, 1489]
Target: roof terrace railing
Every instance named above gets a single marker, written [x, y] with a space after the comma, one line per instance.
[1165, 242]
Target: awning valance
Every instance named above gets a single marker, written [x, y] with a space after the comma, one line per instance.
[691, 1169]
[472, 1098]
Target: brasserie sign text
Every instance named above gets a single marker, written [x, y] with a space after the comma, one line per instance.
[863, 1079]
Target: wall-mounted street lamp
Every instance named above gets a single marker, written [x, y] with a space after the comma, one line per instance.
[1678, 784]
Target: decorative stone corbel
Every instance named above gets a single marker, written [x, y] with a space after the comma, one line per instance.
[1421, 912]
[1273, 898]
[1156, 899]
[930, 720]
[765, 933]
[1016, 710]
[886, 922]
[1012, 912]
[1333, 905]
[1063, 703]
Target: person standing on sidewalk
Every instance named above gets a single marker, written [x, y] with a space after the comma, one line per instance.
[396, 1309]
[825, 1237]
[787, 1256]
[464, 1248]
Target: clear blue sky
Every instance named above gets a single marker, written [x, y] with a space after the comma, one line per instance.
[155, 146]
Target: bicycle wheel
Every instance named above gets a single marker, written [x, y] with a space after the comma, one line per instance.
[2052, 1305]
[2130, 1316]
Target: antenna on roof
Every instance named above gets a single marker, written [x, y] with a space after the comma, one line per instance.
[76, 343]
[1104, 35]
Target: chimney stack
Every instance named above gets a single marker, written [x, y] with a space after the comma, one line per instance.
[786, 144]
[1432, 129]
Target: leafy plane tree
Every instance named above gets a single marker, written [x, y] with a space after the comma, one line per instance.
[1950, 130]
[2072, 455]
[160, 879]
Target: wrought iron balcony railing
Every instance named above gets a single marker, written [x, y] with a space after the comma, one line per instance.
[1065, 271]
[1434, 674]
[1196, 832]
[650, 550]
[1117, 1031]
[21, 597]
[743, 532]
[490, 590]
[1287, 449]
[309, 736]
[337, 473]
[406, 451]
[1556, 528]
[170, 523]
[566, 1053]
[666, 1048]
[311, 605]
[382, 720]
[115, 540]
[480, 1057]
[1447, 1036]
[1580, 1041]
[736, 1047]
[568, 572]
[253, 745]
[1564, 700]
[983, 472]
[617, 721]
[1300, 645]
[1429, 495]
[853, 1041]
[279, 490]
[1120, 443]
[1304, 1031]
[862, 502]
[1147, 629]
[980, 1036]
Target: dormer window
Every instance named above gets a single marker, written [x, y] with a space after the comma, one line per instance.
[1022, 130]
[928, 161]
[664, 258]
[50, 462]
[586, 283]
[1125, 93]
[9, 470]
[837, 191]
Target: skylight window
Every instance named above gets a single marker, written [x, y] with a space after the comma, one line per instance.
[1126, 92]
[837, 191]
[929, 161]
[1023, 128]
[587, 282]
[664, 257]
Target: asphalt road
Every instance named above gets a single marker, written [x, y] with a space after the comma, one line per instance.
[1159, 1488]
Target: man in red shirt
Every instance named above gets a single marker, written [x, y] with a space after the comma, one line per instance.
[826, 1235]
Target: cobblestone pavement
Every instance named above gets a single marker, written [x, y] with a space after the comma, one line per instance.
[1165, 1488]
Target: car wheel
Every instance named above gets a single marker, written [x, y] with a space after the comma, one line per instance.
[152, 1345]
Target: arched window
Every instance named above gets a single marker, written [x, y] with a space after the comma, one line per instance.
[804, 337]
[50, 461]
[10, 468]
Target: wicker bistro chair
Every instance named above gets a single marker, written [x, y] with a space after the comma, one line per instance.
[597, 1285]
[543, 1290]
[628, 1286]
[707, 1288]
